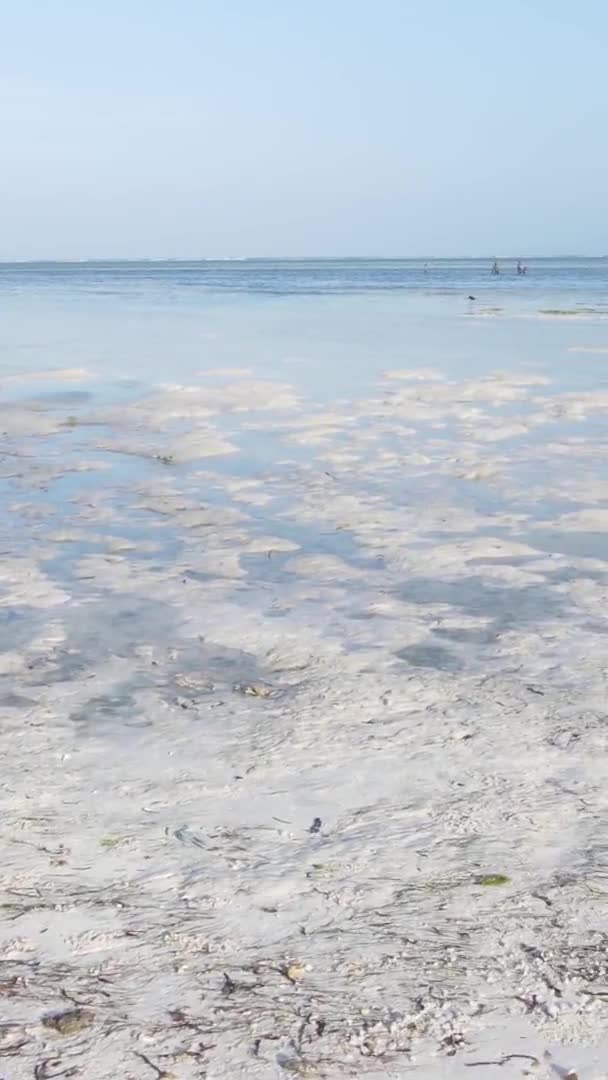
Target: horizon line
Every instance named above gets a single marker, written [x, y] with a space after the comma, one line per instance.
[135, 259]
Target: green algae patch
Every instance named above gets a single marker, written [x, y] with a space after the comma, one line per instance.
[492, 880]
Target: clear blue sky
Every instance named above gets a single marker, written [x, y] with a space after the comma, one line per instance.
[235, 127]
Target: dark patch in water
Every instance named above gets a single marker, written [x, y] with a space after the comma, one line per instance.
[17, 701]
[506, 606]
[430, 656]
[567, 574]
[57, 666]
[481, 636]
[105, 707]
[18, 626]
[580, 545]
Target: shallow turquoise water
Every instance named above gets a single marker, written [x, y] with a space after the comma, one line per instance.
[327, 332]
[329, 326]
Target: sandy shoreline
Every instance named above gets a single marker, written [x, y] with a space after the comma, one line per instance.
[186, 888]
[200, 659]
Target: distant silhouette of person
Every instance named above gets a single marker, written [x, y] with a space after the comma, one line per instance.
[495, 268]
[520, 269]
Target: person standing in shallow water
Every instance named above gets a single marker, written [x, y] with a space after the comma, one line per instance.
[495, 269]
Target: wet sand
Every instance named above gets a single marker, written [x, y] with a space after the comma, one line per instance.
[304, 723]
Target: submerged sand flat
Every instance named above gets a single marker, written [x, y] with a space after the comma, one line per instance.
[304, 715]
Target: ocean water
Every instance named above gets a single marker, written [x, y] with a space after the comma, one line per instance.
[333, 323]
[169, 281]
[381, 378]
